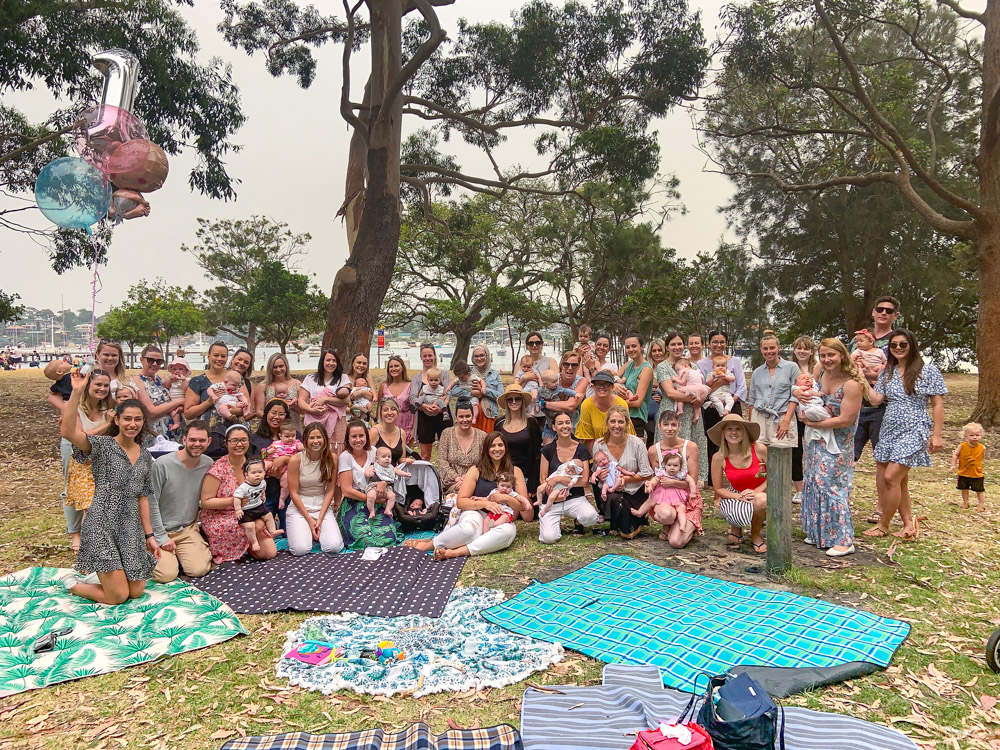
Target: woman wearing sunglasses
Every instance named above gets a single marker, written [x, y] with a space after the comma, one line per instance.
[153, 394]
[906, 386]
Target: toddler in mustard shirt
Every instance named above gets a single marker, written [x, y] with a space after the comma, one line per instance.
[967, 462]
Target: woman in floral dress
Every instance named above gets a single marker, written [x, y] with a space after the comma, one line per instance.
[828, 477]
[153, 394]
[907, 385]
[226, 538]
[665, 372]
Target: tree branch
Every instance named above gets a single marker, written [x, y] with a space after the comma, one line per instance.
[423, 53]
[38, 142]
[963, 12]
[883, 122]
[346, 110]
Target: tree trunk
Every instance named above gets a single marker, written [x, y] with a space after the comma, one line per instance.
[360, 286]
[463, 340]
[987, 411]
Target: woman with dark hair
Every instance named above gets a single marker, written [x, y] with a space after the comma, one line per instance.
[203, 392]
[907, 386]
[242, 363]
[430, 417]
[533, 342]
[674, 532]
[717, 343]
[689, 430]
[226, 538]
[637, 376]
[112, 545]
[312, 478]
[397, 386]
[567, 493]
[153, 394]
[466, 537]
[323, 398]
[359, 530]
[460, 448]
[275, 414]
[278, 383]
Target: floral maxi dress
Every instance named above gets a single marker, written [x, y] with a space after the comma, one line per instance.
[827, 482]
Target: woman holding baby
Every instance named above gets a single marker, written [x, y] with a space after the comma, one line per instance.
[672, 397]
[565, 492]
[278, 383]
[203, 393]
[323, 398]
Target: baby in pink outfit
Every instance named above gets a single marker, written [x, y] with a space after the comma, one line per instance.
[689, 380]
[286, 445]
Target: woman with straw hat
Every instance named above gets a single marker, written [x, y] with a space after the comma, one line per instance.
[523, 436]
[739, 476]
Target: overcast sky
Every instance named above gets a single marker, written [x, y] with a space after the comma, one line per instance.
[292, 167]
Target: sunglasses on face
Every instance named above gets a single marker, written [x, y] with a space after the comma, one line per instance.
[534, 343]
[885, 310]
[516, 399]
[571, 365]
[154, 361]
[899, 345]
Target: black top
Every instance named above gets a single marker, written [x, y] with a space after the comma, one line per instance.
[581, 454]
[483, 488]
[63, 387]
[525, 450]
[397, 450]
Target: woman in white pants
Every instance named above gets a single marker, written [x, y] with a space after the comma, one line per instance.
[312, 478]
[569, 499]
[467, 537]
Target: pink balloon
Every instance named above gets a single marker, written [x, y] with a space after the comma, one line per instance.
[138, 165]
[102, 129]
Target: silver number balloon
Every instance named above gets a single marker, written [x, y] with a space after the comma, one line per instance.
[120, 69]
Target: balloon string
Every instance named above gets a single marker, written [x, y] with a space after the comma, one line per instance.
[95, 280]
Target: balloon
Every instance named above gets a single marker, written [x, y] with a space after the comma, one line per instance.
[103, 128]
[72, 193]
[127, 204]
[138, 165]
[120, 69]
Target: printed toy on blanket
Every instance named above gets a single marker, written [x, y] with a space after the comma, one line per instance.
[456, 652]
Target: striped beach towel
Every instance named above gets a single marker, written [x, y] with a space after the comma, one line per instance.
[606, 717]
[622, 610]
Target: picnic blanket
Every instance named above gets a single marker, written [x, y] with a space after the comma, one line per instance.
[168, 619]
[621, 610]
[403, 581]
[457, 651]
[414, 737]
[633, 697]
[282, 543]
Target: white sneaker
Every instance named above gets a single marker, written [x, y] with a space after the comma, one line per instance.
[69, 580]
[92, 578]
[807, 540]
[832, 552]
[797, 498]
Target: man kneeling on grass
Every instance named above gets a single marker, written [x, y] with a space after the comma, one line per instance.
[174, 505]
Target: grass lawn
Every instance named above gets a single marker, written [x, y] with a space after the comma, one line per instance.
[938, 689]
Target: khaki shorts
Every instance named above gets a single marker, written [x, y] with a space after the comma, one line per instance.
[769, 429]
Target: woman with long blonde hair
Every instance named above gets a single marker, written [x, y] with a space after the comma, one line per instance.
[828, 477]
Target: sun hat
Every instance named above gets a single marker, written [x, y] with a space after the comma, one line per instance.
[752, 429]
[183, 363]
[514, 390]
[603, 377]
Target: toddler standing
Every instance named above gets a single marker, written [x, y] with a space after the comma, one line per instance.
[967, 462]
[248, 502]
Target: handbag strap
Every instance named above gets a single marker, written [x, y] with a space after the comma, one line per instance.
[781, 719]
[689, 713]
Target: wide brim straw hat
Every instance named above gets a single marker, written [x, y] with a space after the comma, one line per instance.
[514, 390]
[752, 429]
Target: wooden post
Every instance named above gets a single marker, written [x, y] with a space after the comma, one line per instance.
[779, 511]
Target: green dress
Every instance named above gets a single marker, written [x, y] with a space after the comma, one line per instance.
[632, 374]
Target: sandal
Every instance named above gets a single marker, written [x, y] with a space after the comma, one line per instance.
[760, 547]
[875, 517]
[875, 533]
[734, 539]
[633, 534]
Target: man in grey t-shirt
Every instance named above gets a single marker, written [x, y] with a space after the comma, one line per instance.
[174, 505]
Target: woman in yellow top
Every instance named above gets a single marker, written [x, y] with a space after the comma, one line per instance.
[594, 410]
[967, 462]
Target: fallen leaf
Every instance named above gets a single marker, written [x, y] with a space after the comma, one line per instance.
[987, 702]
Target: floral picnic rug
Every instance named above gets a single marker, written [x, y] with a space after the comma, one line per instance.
[457, 651]
[168, 619]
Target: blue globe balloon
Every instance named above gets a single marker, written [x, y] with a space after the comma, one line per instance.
[72, 193]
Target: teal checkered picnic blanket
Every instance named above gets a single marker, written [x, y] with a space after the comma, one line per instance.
[621, 610]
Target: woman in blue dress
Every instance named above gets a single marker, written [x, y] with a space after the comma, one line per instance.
[909, 434]
[828, 477]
